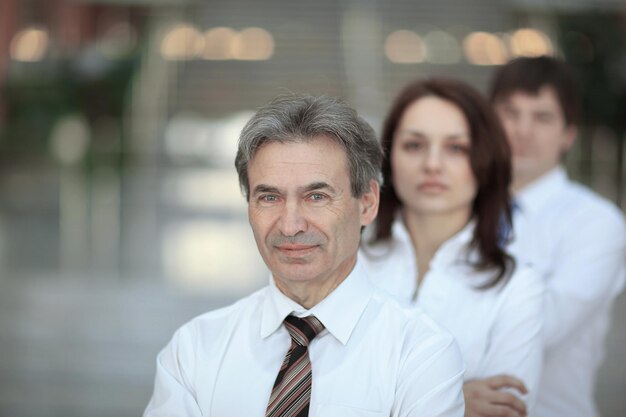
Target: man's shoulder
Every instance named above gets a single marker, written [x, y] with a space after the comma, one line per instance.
[411, 321]
[573, 216]
[421, 343]
[578, 191]
[577, 202]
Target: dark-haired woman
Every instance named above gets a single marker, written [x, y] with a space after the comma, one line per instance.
[441, 240]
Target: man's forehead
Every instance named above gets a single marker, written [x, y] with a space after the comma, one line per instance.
[545, 94]
[319, 149]
[298, 164]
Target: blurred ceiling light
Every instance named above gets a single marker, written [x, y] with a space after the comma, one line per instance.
[253, 44]
[29, 45]
[442, 48]
[118, 41]
[482, 48]
[182, 42]
[404, 47]
[530, 42]
[217, 43]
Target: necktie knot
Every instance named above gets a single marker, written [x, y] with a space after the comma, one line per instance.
[303, 330]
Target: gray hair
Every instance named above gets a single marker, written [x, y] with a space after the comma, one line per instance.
[299, 118]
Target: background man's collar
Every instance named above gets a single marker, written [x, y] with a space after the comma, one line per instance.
[533, 197]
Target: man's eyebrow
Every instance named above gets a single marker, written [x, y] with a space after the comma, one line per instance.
[319, 185]
[263, 188]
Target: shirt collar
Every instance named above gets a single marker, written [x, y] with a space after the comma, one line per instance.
[399, 230]
[536, 194]
[340, 311]
[448, 251]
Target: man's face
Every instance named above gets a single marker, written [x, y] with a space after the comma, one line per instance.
[306, 222]
[537, 132]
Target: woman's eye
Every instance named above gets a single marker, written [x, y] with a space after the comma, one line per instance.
[459, 148]
[412, 146]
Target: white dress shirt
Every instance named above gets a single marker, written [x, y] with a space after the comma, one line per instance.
[374, 358]
[498, 329]
[576, 241]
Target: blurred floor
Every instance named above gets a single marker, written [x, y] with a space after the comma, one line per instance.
[73, 348]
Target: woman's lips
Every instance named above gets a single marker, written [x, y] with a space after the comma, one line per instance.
[432, 187]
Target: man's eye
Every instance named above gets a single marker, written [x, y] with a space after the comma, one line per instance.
[317, 197]
[508, 112]
[544, 118]
[268, 198]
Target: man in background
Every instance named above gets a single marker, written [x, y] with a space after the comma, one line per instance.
[572, 236]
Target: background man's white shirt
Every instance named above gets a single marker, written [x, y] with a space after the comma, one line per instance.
[576, 242]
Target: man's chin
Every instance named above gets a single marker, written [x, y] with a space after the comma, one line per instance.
[291, 276]
[524, 168]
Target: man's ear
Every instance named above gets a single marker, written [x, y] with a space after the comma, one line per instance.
[368, 203]
[571, 131]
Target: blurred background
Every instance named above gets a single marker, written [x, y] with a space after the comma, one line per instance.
[120, 213]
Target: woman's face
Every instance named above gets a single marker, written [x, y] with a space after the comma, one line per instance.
[430, 159]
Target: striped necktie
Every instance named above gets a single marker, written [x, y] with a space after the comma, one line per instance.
[291, 394]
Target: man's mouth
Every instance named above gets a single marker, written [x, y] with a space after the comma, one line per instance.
[295, 249]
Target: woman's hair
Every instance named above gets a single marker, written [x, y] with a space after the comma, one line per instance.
[490, 160]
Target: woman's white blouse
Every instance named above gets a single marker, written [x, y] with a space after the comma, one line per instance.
[497, 329]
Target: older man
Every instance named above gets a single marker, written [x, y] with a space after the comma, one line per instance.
[319, 340]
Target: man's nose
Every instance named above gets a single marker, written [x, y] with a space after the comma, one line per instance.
[292, 220]
[523, 128]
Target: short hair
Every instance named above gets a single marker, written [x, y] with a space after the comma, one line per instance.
[299, 118]
[530, 74]
[490, 160]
